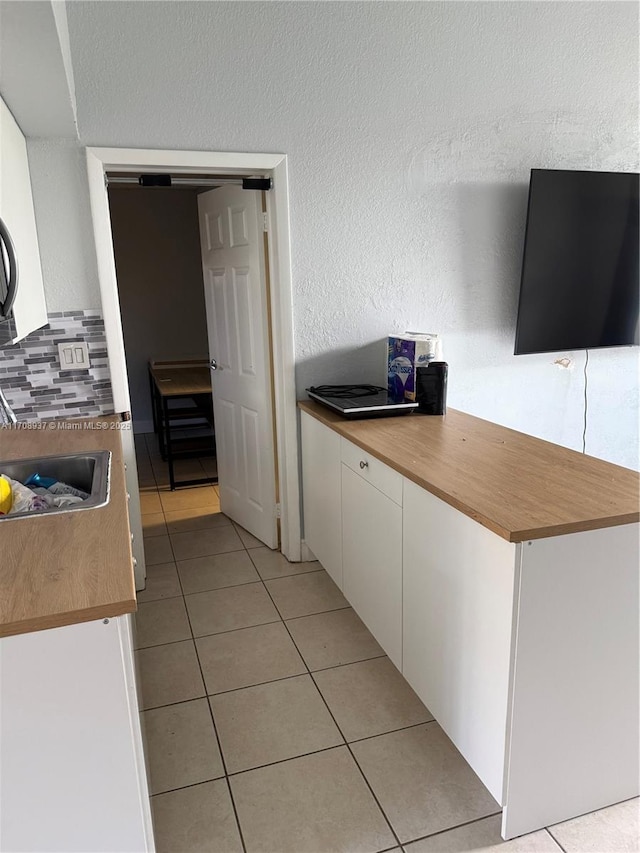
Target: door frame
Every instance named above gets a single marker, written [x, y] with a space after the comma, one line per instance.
[102, 160]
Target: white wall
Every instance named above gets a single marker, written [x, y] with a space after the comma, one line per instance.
[156, 240]
[411, 129]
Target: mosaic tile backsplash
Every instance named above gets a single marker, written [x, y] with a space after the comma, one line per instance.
[35, 385]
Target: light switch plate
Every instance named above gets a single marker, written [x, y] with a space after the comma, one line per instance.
[74, 355]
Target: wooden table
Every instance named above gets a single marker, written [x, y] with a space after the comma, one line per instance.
[174, 380]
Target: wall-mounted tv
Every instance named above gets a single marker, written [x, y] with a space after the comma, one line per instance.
[580, 286]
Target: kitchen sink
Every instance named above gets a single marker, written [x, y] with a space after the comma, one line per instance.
[87, 471]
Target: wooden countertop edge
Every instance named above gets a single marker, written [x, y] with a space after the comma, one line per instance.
[514, 536]
[119, 596]
[73, 617]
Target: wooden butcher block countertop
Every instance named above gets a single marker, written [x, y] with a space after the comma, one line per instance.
[518, 486]
[65, 568]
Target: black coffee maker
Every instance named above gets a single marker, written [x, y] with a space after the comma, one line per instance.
[431, 388]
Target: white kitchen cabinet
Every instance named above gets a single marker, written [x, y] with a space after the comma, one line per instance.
[457, 612]
[321, 494]
[514, 616]
[29, 310]
[372, 546]
[522, 652]
[71, 760]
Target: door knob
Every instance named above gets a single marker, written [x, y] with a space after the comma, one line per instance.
[213, 364]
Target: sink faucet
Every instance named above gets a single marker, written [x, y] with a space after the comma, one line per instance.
[7, 415]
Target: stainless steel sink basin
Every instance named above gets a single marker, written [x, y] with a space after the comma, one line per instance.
[87, 471]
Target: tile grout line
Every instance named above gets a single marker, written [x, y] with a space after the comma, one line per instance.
[208, 697]
[215, 588]
[310, 672]
[366, 781]
[230, 630]
[227, 776]
[213, 723]
[554, 839]
[457, 826]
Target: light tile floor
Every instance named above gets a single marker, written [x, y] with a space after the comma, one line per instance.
[273, 720]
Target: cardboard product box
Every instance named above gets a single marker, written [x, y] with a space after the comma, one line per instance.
[407, 351]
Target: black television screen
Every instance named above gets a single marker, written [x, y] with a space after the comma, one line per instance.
[579, 286]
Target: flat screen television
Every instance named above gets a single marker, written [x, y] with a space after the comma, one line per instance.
[580, 286]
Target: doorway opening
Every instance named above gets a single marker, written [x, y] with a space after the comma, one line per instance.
[244, 435]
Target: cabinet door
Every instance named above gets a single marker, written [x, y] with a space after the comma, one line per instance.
[458, 580]
[16, 210]
[70, 745]
[321, 494]
[372, 560]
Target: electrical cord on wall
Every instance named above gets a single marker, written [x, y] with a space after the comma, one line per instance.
[584, 430]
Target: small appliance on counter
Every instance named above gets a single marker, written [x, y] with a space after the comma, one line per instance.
[360, 401]
[431, 388]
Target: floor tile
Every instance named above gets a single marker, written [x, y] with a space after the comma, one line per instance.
[330, 639]
[183, 469]
[146, 479]
[153, 524]
[203, 543]
[227, 609]
[182, 748]
[316, 804]
[483, 836]
[210, 465]
[615, 829]
[157, 549]
[161, 582]
[422, 782]
[272, 722]
[195, 497]
[198, 518]
[247, 657]
[271, 564]
[163, 621]
[305, 594]
[199, 819]
[140, 442]
[214, 572]
[150, 502]
[370, 698]
[169, 674]
[150, 441]
[150, 490]
[248, 539]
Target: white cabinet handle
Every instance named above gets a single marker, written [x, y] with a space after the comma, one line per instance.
[135, 562]
[364, 464]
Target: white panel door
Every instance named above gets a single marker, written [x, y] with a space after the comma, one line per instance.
[237, 320]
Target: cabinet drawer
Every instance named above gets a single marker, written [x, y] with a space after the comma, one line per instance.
[373, 471]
